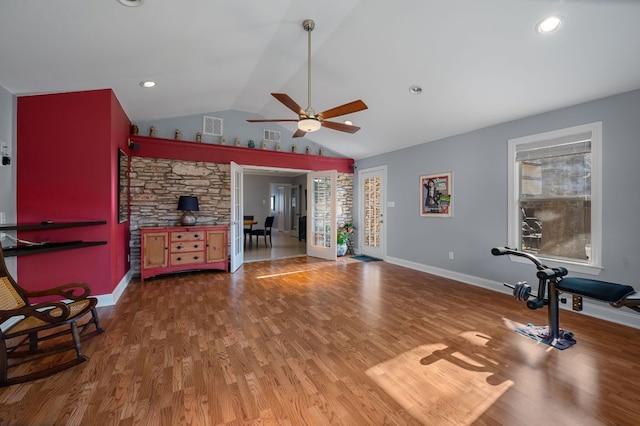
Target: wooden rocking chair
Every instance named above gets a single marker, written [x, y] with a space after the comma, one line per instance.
[23, 326]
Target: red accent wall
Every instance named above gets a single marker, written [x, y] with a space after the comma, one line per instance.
[214, 153]
[67, 154]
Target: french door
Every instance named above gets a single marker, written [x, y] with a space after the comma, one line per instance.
[236, 228]
[321, 216]
[372, 211]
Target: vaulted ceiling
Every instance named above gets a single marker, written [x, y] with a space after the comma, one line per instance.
[478, 63]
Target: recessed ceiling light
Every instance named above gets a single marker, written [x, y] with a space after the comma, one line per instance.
[147, 84]
[549, 25]
[415, 89]
[348, 122]
[131, 3]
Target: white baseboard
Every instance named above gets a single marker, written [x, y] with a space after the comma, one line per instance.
[591, 308]
[112, 299]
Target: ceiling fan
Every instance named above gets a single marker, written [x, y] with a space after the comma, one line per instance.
[308, 120]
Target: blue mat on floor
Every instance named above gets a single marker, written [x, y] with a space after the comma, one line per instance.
[364, 258]
[541, 334]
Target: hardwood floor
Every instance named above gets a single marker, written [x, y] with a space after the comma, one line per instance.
[304, 341]
[284, 246]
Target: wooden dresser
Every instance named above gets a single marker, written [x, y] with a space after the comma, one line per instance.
[171, 249]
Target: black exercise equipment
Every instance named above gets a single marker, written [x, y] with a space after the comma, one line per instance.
[552, 281]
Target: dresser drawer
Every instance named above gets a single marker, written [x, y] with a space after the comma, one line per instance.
[186, 246]
[187, 236]
[187, 258]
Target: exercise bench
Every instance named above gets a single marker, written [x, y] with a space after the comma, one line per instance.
[552, 282]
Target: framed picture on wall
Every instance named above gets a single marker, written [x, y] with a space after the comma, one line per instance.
[435, 195]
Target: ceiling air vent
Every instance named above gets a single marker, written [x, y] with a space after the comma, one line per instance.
[271, 135]
[212, 126]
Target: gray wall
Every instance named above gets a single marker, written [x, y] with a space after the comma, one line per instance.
[478, 161]
[256, 195]
[234, 126]
[8, 173]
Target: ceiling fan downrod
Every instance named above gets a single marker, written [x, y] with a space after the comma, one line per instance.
[309, 25]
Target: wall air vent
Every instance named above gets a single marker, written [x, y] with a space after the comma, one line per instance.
[212, 126]
[271, 135]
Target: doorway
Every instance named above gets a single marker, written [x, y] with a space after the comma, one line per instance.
[270, 192]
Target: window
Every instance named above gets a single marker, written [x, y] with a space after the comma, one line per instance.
[554, 195]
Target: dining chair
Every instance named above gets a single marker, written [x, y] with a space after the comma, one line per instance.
[266, 232]
[247, 231]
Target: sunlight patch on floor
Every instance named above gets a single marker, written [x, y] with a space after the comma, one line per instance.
[441, 385]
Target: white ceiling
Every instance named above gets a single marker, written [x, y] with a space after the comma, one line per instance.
[479, 62]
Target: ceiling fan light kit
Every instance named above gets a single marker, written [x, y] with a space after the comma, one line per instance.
[309, 125]
[308, 121]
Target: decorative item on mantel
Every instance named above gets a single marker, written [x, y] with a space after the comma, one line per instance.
[199, 137]
[294, 148]
[277, 147]
[188, 204]
[134, 130]
[251, 144]
[178, 135]
[238, 141]
[308, 150]
[264, 144]
[153, 132]
[223, 141]
[321, 152]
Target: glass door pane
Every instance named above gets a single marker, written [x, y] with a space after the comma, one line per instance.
[372, 237]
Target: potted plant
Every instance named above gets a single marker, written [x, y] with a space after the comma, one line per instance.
[343, 235]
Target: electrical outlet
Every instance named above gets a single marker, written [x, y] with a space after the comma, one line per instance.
[576, 303]
[450, 255]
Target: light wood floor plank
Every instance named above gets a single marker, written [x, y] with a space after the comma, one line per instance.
[303, 341]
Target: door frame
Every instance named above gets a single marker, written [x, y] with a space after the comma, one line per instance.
[251, 168]
[382, 171]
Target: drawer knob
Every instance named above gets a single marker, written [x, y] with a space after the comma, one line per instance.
[179, 258]
[195, 246]
[179, 247]
[179, 236]
[196, 257]
[197, 236]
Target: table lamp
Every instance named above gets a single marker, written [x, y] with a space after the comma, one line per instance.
[188, 204]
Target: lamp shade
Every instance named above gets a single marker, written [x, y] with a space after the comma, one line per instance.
[188, 203]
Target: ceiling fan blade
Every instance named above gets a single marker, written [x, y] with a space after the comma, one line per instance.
[340, 126]
[288, 102]
[299, 133]
[354, 106]
[271, 121]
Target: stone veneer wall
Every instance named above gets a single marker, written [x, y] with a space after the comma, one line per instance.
[156, 184]
[344, 198]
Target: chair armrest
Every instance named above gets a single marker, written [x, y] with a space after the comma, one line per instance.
[41, 311]
[68, 291]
